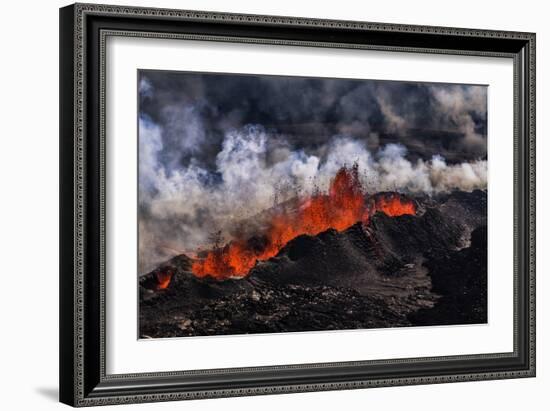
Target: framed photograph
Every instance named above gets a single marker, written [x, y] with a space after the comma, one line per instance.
[260, 204]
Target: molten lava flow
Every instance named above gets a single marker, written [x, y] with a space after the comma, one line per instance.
[344, 205]
[393, 205]
[163, 279]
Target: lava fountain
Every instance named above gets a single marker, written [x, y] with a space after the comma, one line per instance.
[345, 204]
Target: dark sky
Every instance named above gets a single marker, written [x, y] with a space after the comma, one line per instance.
[195, 111]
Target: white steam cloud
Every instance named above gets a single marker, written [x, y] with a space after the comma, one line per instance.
[181, 207]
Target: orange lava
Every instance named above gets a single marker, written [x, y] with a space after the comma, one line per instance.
[393, 205]
[344, 205]
[163, 279]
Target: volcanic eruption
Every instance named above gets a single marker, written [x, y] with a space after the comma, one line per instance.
[345, 204]
[270, 204]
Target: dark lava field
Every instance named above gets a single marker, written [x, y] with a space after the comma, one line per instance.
[410, 270]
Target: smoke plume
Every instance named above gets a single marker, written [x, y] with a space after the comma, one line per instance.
[181, 208]
[219, 149]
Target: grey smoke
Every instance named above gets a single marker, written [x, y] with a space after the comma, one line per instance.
[180, 208]
[196, 110]
[216, 149]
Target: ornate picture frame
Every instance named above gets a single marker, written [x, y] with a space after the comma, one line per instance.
[84, 30]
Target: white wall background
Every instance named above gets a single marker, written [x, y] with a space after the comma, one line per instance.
[29, 204]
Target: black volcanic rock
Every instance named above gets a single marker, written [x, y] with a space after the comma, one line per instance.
[461, 278]
[359, 256]
[330, 258]
[468, 210]
[426, 269]
[264, 309]
[409, 235]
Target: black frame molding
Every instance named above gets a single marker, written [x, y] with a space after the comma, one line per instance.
[83, 32]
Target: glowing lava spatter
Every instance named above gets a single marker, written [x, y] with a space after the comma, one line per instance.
[163, 279]
[345, 204]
